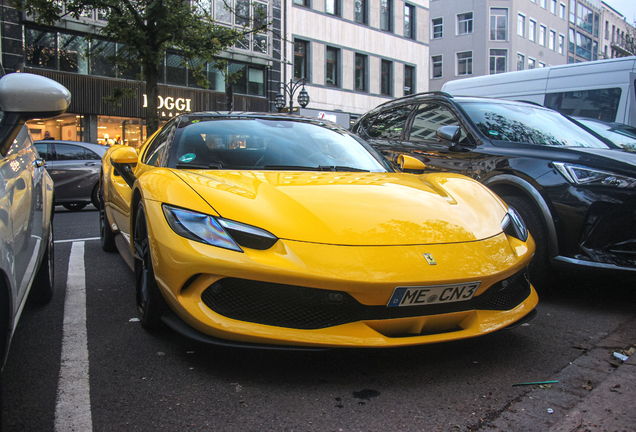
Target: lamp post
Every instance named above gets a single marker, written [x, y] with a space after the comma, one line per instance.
[290, 89]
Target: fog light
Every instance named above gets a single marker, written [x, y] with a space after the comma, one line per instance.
[335, 298]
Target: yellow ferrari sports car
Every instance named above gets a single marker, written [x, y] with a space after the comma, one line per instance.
[271, 230]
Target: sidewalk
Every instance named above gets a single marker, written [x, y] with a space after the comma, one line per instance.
[595, 393]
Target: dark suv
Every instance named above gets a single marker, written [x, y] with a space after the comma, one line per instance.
[575, 190]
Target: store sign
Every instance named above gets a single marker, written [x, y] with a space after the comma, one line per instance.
[170, 103]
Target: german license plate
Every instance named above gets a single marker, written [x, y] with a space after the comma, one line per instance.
[430, 295]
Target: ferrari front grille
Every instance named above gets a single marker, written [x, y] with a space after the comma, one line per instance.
[305, 308]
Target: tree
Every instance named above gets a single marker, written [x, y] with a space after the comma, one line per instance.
[146, 29]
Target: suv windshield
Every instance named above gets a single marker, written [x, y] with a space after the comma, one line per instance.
[270, 144]
[528, 124]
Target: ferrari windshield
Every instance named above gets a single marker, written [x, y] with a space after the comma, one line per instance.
[519, 123]
[270, 144]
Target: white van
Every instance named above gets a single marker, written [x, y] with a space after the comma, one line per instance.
[603, 90]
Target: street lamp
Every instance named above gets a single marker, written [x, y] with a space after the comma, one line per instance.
[289, 90]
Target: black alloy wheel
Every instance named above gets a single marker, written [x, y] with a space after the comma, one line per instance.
[44, 282]
[540, 271]
[74, 206]
[150, 302]
[106, 234]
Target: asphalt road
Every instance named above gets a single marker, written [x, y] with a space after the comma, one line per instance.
[141, 381]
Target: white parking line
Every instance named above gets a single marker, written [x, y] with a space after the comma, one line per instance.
[73, 406]
[77, 240]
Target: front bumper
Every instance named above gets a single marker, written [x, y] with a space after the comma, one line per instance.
[233, 296]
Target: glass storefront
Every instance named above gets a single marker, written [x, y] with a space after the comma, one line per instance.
[71, 127]
[67, 127]
[120, 130]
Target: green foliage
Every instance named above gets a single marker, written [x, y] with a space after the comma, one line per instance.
[147, 28]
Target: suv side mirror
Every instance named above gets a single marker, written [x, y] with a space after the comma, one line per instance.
[449, 135]
[24, 96]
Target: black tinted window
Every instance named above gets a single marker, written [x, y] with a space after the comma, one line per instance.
[155, 150]
[528, 124]
[390, 124]
[428, 119]
[69, 152]
[91, 155]
[601, 104]
[45, 151]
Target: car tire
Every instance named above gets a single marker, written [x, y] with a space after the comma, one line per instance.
[44, 282]
[74, 206]
[95, 196]
[540, 271]
[106, 234]
[150, 302]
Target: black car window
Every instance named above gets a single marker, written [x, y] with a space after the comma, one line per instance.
[390, 124]
[428, 119]
[155, 150]
[91, 155]
[529, 124]
[69, 152]
[601, 104]
[45, 151]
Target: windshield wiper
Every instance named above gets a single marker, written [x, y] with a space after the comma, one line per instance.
[198, 166]
[340, 168]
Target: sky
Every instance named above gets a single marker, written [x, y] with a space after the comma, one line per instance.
[626, 7]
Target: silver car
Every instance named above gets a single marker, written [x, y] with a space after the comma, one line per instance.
[26, 198]
[74, 167]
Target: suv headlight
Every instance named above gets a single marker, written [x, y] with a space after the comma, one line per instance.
[580, 175]
[513, 225]
[217, 232]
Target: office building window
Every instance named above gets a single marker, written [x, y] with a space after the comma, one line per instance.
[542, 31]
[541, 64]
[571, 41]
[583, 46]
[360, 83]
[498, 24]
[385, 77]
[436, 66]
[561, 11]
[531, 63]
[409, 21]
[300, 59]
[360, 11]
[301, 2]
[498, 61]
[465, 63]
[544, 4]
[553, 6]
[465, 23]
[561, 44]
[584, 18]
[521, 61]
[606, 30]
[332, 7]
[409, 80]
[532, 30]
[333, 69]
[552, 40]
[437, 25]
[521, 25]
[385, 15]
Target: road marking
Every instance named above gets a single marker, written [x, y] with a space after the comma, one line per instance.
[73, 407]
[77, 240]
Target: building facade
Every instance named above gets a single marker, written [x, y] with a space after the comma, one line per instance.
[618, 35]
[481, 37]
[584, 18]
[356, 54]
[59, 52]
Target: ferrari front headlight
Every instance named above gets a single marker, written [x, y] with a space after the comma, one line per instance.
[218, 232]
[580, 175]
[513, 225]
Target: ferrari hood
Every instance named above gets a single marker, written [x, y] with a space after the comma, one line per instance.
[353, 208]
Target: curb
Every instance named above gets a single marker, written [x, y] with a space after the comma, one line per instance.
[594, 393]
